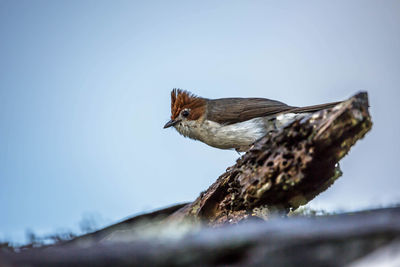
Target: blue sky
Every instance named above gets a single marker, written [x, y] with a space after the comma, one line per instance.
[85, 87]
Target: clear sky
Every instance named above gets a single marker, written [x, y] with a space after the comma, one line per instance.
[85, 90]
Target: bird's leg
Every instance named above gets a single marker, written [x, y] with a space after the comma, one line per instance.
[243, 149]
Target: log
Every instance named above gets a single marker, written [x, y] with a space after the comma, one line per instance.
[335, 240]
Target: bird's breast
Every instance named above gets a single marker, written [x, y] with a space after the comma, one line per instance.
[226, 136]
[237, 135]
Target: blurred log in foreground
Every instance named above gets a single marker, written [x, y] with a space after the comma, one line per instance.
[285, 169]
[369, 238]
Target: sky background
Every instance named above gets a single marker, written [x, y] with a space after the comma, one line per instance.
[85, 92]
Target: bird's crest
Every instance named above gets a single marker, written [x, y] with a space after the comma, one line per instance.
[182, 99]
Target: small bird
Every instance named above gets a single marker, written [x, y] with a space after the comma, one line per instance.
[231, 123]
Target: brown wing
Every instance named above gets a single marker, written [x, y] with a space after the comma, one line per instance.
[233, 110]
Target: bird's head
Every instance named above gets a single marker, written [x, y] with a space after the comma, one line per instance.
[185, 107]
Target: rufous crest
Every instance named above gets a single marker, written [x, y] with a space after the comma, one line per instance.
[182, 99]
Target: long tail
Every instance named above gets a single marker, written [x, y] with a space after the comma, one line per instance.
[314, 108]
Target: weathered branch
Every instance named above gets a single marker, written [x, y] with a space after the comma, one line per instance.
[286, 168]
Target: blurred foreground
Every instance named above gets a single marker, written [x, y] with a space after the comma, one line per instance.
[367, 238]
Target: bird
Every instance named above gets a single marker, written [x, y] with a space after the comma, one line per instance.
[232, 123]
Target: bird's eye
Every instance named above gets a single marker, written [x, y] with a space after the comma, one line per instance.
[185, 113]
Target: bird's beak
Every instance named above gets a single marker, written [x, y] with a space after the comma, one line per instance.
[171, 123]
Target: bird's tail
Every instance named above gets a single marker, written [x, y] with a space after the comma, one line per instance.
[315, 107]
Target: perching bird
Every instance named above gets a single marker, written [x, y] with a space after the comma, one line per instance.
[231, 123]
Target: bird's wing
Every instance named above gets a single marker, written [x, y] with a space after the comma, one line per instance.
[232, 110]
